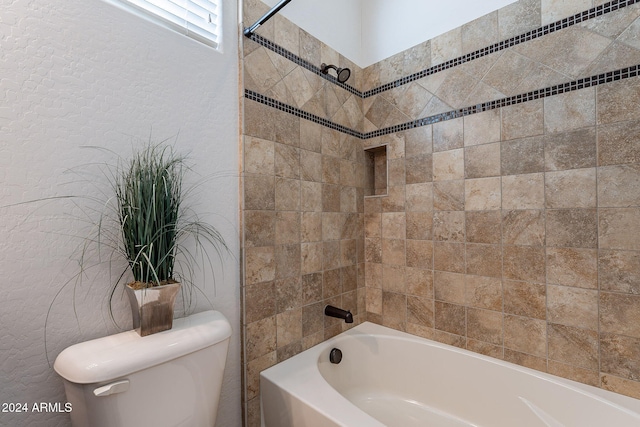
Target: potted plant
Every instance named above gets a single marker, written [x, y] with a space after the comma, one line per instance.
[156, 228]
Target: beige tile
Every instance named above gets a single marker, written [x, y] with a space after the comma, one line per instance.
[311, 226]
[419, 197]
[480, 33]
[619, 143]
[448, 134]
[571, 189]
[449, 287]
[573, 267]
[572, 306]
[526, 360]
[259, 192]
[508, 72]
[259, 157]
[419, 282]
[260, 338]
[576, 228]
[394, 279]
[574, 346]
[373, 250]
[570, 150]
[483, 292]
[374, 301]
[420, 311]
[620, 314]
[523, 227]
[448, 195]
[419, 169]
[483, 226]
[419, 254]
[619, 271]
[482, 128]
[287, 161]
[450, 318]
[287, 261]
[288, 293]
[523, 120]
[448, 226]
[287, 228]
[482, 194]
[289, 327]
[522, 156]
[287, 194]
[518, 18]
[585, 376]
[394, 305]
[260, 302]
[448, 257]
[419, 225]
[259, 229]
[620, 356]
[484, 260]
[253, 369]
[394, 225]
[394, 251]
[618, 101]
[311, 288]
[523, 191]
[260, 264]
[571, 110]
[555, 10]
[484, 325]
[523, 263]
[618, 185]
[525, 299]
[618, 228]
[482, 161]
[448, 165]
[418, 141]
[311, 257]
[310, 166]
[621, 385]
[446, 46]
[525, 335]
[310, 196]
[310, 136]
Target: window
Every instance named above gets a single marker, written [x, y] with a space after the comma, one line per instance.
[198, 19]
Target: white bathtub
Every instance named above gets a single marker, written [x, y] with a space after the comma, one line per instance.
[389, 378]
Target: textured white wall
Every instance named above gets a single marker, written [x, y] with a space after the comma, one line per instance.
[82, 72]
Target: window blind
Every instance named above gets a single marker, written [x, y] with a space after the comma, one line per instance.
[198, 19]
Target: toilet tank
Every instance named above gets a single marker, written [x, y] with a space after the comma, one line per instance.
[172, 378]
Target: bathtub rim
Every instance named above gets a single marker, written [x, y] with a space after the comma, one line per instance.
[325, 399]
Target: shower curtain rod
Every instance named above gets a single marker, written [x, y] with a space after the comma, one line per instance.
[249, 31]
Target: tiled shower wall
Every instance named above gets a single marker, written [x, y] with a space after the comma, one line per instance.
[510, 228]
[303, 202]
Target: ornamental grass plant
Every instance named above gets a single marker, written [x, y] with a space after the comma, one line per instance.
[153, 219]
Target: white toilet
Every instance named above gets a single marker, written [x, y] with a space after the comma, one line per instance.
[172, 378]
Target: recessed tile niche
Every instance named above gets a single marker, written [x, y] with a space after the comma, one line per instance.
[376, 171]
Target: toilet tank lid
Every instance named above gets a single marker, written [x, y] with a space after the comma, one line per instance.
[115, 356]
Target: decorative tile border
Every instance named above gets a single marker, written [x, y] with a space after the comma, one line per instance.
[533, 34]
[254, 96]
[624, 73]
[302, 62]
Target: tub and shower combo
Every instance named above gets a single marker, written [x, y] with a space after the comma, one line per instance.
[372, 376]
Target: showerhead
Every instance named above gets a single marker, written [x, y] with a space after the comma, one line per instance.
[343, 73]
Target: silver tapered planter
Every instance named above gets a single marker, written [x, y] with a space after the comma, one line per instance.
[152, 308]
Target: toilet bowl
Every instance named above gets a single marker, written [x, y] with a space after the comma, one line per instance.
[172, 378]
